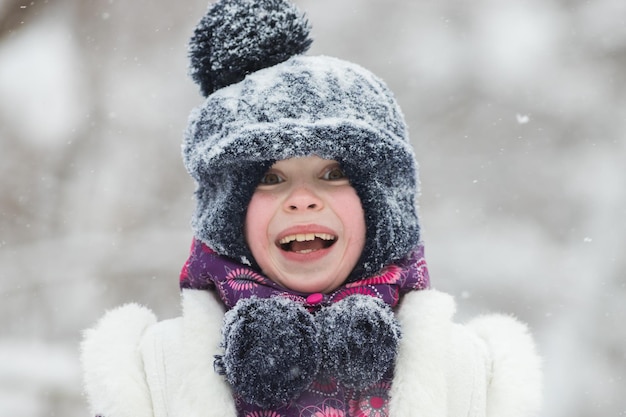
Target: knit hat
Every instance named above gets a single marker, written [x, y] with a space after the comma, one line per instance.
[267, 102]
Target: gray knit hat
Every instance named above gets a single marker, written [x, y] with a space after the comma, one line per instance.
[266, 102]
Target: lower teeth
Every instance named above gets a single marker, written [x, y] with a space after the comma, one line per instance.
[305, 251]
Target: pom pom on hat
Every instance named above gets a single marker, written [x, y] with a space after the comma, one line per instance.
[237, 37]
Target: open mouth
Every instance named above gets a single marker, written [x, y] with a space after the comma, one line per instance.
[306, 242]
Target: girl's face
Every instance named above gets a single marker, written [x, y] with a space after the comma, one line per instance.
[305, 225]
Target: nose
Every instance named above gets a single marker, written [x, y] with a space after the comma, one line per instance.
[302, 198]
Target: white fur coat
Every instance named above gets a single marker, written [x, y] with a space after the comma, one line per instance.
[135, 366]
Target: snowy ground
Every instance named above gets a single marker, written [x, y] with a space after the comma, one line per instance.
[517, 111]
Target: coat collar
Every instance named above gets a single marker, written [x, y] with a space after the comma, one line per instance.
[419, 386]
[204, 392]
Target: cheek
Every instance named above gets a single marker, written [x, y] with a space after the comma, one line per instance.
[352, 214]
[258, 216]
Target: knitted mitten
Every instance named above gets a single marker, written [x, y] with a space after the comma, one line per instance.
[359, 337]
[271, 353]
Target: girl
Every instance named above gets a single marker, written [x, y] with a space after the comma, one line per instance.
[306, 292]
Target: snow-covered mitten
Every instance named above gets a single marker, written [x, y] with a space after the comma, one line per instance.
[359, 337]
[271, 352]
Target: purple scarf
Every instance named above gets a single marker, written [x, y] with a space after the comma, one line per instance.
[206, 270]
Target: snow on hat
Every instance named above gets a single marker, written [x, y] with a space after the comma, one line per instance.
[267, 102]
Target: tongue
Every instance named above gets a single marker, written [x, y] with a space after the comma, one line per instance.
[308, 245]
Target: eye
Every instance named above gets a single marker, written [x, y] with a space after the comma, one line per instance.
[334, 174]
[271, 178]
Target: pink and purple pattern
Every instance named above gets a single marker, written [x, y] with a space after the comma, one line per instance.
[206, 270]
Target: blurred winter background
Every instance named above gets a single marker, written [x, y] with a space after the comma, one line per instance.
[517, 111]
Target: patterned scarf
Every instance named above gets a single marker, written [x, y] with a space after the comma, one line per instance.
[206, 270]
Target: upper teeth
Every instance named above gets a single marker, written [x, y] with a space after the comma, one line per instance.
[304, 237]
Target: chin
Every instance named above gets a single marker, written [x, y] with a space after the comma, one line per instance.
[307, 286]
[321, 287]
